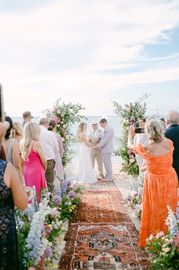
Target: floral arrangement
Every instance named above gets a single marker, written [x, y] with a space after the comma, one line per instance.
[40, 226]
[134, 201]
[164, 249]
[65, 116]
[129, 113]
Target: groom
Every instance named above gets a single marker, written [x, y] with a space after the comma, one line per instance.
[106, 146]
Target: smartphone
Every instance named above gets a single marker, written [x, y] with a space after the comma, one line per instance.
[139, 130]
[1, 105]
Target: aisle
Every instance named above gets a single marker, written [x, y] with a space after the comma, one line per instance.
[102, 236]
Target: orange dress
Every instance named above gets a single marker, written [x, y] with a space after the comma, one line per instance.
[160, 190]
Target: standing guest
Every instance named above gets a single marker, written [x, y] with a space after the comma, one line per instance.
[172, 133]
[163, 122]
[160, 175]
[27, 117]
[34, 159]
[59, 171]
[12, 149]
[17, 131]
[11, 193]
[140, 138]
[50, 147]
[106, 146]
[94, 137]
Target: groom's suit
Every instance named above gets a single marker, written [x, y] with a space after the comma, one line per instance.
[106, 145]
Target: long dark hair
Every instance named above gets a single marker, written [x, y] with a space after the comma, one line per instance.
[8, 132]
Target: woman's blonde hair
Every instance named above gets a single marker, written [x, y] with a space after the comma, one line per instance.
[82, 127]
[31, 132]
[17, 129]
[154, 130]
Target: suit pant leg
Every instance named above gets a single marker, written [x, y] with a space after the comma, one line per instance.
[49, 174]
[108, 165]
[93, 156]
[100, 162]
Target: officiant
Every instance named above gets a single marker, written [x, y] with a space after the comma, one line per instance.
[94, 137]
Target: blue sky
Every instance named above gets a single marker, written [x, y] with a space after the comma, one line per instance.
[90, 52]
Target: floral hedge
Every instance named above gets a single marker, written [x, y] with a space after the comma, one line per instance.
[129, 113]
[164, 248]
[40, 226]
[66, 115]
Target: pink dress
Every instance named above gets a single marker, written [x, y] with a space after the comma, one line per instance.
[34, 173]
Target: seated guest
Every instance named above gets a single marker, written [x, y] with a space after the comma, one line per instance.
[12, 149]
[50, 147]
[27, 117]
[160, 184]
[59, 171]
[11, 193]
[172, 133]
[34, 159]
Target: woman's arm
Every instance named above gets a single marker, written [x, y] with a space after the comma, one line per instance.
[16, 159]
[85, 140]
[131, 134]
[12, 181]
[60, 143]
[38, 148]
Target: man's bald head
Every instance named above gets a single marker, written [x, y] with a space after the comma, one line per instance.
[172, 118]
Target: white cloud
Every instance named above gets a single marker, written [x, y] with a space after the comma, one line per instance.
[70, 49]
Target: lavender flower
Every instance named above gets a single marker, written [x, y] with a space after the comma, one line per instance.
[72, 194]
[57, 200]
[48, 252]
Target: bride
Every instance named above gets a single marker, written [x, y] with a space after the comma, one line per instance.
[86, 173]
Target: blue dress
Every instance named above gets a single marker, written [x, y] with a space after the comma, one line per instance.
[8, 236]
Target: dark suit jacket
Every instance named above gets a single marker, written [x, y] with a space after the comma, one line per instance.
[172, 133]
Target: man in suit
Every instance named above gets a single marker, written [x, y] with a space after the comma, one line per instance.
[172, 133]
[106, 146]
[94, 137]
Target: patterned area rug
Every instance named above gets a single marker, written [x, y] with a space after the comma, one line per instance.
[103, 237]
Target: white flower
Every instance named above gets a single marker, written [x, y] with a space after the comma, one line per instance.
[166, 250]
[159, 235]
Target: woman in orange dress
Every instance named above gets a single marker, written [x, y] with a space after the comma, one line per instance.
[161, 183]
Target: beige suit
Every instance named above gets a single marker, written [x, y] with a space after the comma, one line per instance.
[94, 137]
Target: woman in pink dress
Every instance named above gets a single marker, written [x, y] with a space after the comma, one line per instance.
[34, 159]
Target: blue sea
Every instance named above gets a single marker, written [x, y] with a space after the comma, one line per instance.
[113, 121]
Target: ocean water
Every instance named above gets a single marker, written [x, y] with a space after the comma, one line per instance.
[113, 121]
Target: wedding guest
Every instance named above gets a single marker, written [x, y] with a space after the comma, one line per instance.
[140, 138]
[34, 160]
[11, 194]
[106, 146]
[50, 147]
[27, 117]
[172, 133]
[17, 131]
[3, 128]
[163, 122]
[94, 137]
[12, 149]
[59, 170]
[160, 185]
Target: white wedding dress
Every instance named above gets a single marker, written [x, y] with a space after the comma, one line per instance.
[86, 173]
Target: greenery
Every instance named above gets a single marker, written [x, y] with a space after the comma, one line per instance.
[129, 114]
[165, 253]
[66, 115]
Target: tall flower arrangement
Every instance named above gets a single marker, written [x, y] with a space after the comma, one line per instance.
[66, 115]
[129, 113]
[41, 226]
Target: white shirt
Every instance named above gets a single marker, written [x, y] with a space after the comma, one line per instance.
[140, 138]
[49, 143]
[95, 136]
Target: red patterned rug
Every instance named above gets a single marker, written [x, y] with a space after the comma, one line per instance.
[103, 237]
